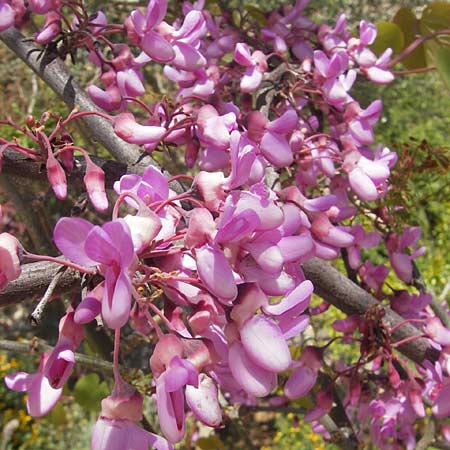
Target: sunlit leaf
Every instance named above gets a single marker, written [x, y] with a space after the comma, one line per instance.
[256, 14]
[57, 415]
[88, 392]
[210, 443]
[435, 17]
[389, 35]
[409, 24]
[442, 61]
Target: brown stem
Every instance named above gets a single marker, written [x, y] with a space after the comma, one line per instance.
[35, 279]
[56, 75]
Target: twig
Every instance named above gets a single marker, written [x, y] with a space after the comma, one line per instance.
[56, 75]
[34, 280]
[36, 345]
[36, 315]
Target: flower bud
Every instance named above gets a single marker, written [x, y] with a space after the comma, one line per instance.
[95, 186]
[57, 177]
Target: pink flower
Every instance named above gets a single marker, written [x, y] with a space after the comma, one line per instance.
[94, 180]
[111, 248]
[256, 66]
[6, 16]
[401, 261]
[42, 397]
[116, 429]
[9, 259]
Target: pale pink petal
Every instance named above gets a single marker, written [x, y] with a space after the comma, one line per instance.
[130, 131]
[300, 382]
[251, 377]
[187, 57]
[242, 54]
[157, 47]
[70, 235]
[296, 248]
[276, 149]
[41, 396]
[215, 272]
[170, 406]
[18, 381]
[379, 75]
[116, 303]
[267, 255]
[251, 79]
[362, 185]
[264, 344]
[203, 401]
[299, 299]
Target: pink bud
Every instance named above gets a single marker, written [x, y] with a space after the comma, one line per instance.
[57, 177]
[203, 401]
[94, 180]
[9, 259]
[51, 29]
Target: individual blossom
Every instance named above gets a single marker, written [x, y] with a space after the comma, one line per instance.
[9, 259]
[256, 66]
[116, 428]
[110, 248]
[401, 259]
[42, 397]
[62, 358]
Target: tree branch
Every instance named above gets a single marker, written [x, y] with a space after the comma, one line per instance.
[34, 280]
[56, 75]
[18, 165]
[36, 345]
[337, 289]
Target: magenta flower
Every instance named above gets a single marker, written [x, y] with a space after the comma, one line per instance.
[203, 401]
[6, 15]
[256, 66]
[401, 261]
[330, 74]
[109, 247]
[272, 137]
[9, 259]
[116, 429]
[42, 397]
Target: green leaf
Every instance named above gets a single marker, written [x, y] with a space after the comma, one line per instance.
[389, 35]
[442, 61]
[210, 443]
[57, 415]
[409, 24]
[435, 17]
[88, 392]
[257, 14]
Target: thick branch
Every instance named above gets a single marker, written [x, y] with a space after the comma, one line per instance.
[329, 283]
[34, 280]
[56, 75]
[337, 289]
[18, 165]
